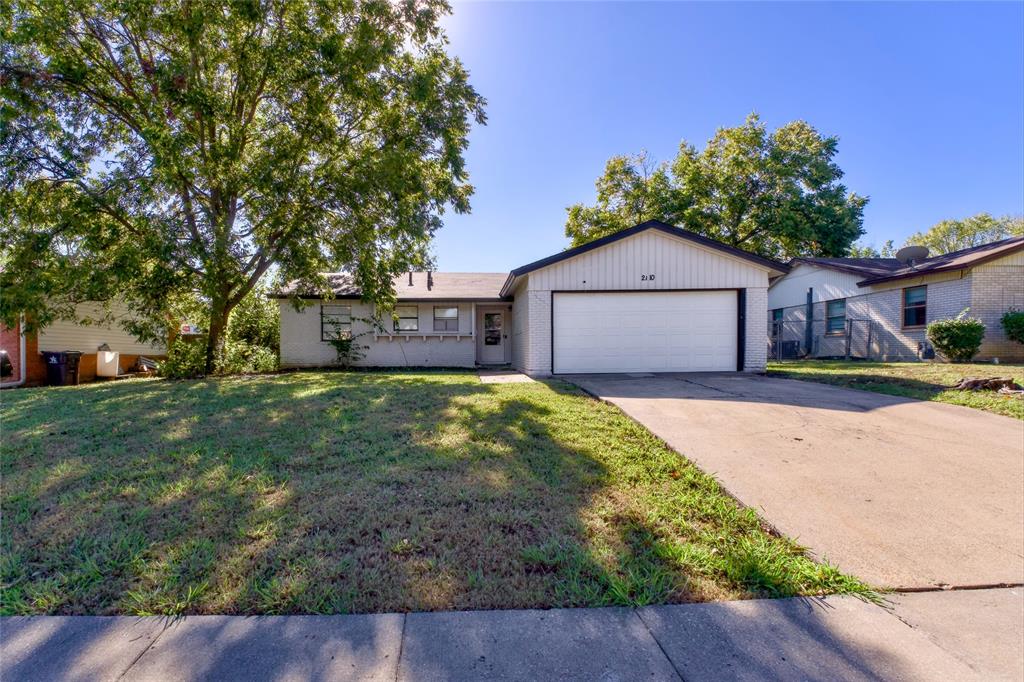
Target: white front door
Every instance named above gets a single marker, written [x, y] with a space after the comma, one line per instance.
[493, 337]
[651, 331]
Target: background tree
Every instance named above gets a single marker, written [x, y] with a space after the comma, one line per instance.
[888, 250]
[777, 193]
[165, 148]
[952, 235]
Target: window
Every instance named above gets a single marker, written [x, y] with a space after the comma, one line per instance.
[915, 303]
[335, 322]
[777, 315]
[408, 318]
[835, 317]
[446, 319]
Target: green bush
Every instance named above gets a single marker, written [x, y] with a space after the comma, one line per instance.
[1013, 323]
[185, 360]
[245, 358]
[958, 339]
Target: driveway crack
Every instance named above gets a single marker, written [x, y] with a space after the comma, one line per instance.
[144, 651]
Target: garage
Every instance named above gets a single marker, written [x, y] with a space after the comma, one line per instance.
[645, 331]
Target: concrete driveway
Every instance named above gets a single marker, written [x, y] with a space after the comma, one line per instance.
[903, 493]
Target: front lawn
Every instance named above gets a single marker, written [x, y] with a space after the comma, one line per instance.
[362, 492]
[921, 380]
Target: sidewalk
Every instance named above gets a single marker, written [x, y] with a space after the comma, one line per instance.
[925, 636]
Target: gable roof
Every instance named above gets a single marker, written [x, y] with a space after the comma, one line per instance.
[956, 260]
[424, 287]
[636, 229]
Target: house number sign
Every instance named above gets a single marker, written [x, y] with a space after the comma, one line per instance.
[647, 278]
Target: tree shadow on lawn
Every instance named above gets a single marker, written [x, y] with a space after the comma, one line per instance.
[339, 493]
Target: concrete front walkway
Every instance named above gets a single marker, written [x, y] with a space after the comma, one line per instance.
[903, 493]
[973, 635]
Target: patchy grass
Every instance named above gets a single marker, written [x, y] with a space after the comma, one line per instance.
[921, 380]
[362, 492]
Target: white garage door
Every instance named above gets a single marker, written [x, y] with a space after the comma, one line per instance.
[645, 331]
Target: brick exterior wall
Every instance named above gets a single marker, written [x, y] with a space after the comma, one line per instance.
[997, 288]
[537, 353]
[988, 291]
[10, 341]
[301, 345]
[755, 355]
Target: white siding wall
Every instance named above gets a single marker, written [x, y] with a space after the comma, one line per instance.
[828, 284]
[65, 335]
[301, 345]
[675, 263]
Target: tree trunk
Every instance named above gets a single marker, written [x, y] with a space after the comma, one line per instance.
[215, 337]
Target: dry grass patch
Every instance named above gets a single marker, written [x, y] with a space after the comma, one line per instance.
[362, 492]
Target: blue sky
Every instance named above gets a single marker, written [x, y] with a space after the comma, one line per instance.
[927, 100]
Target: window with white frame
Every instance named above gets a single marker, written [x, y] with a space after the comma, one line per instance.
[835, 317]
[446, 319]
[407, 318]
[335, 322]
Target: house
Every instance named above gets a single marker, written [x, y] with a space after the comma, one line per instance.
[879, 308]
[647, 299]
[24, 350]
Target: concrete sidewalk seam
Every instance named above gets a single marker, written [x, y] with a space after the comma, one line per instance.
[956, 588]
[144, 651]
[664, 653]
[401, 647]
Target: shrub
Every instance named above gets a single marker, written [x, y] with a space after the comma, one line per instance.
[1013, 323]
[245, 358]
[958, 339]
[185, 360]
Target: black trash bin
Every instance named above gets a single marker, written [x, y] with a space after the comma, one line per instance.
[61, 367]
[74, 358]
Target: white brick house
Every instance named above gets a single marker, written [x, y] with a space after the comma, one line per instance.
[880, 307]
[650, 298]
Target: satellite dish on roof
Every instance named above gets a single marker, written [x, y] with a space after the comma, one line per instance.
[911, 254]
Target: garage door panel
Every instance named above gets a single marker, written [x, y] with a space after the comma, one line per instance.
[645, 331]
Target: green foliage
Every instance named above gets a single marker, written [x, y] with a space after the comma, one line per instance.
[256, 321]
[888, 250]
[348, 348]
[958, 339]
[777, 193]
[1013, 324]
[162, 150]
[186, 359]
[952, 235]
[241, 357]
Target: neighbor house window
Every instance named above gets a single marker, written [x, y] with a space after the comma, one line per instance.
[915, 303]
[408, 318]
[777, 315]
[335, 322]
[835, 317]
[446, 319]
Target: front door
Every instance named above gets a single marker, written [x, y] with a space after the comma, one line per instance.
[492, 348]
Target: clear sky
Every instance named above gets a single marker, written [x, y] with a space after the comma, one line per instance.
[927, 100]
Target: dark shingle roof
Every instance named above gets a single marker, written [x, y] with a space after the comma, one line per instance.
[867, 267]
[442, 286]
[876, 270]
[956, 260]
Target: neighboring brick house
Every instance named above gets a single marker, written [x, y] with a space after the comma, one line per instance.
[879, 308]
[65, 335]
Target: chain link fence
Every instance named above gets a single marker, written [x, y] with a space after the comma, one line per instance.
[858, 340]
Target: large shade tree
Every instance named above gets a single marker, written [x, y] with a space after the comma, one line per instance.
[776, 193]
[165, 148]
